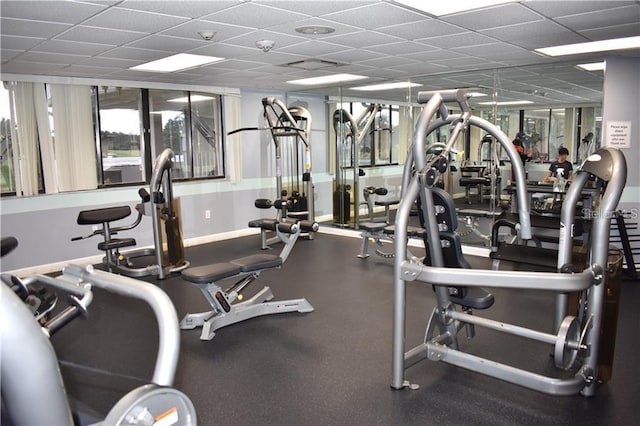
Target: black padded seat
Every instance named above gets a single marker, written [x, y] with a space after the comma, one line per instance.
[298, 215]
[412, 231]
[211, 273]
[98, 216]
[372, 226]
[255, 262]
[268, 224]
[386, 203]
[474, 181]
[116, 243]
[475, 298]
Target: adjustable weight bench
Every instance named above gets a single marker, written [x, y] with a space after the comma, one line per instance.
[380, 233]
[247, 269]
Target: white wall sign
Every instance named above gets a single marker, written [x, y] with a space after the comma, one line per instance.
[618, 134]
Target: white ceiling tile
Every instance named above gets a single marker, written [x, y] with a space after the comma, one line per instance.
[222, 31]
[289, 28]
[97, 35]
[535, 34]
[132, 20]
[8, 54]
[168, 43]
[184, 8]
[20, 27]
[58, 11]
[254, 15]
[271, 58]
[388, 61]
[375, 15]
[618, 31]
[421, 29]
[314, 7]
[362, 39]
[102, 62]
[232, 64]
[555, 9]
[141, 55]
[618, 16]
[313, 48]
[222, 50]
[402, 48]
[421, 68]
[351, 56]
[281, 40]
[457, 40]
[466, 62]
[19, 43]
[72, 48]
[54, 58]
[37, 68]
[498, 16]
[432, 55]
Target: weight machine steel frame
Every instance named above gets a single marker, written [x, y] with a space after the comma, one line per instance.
[611, 169]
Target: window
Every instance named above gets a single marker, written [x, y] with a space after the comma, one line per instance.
[169, 128]
[206, 132]
[7, 179]
[120, 129]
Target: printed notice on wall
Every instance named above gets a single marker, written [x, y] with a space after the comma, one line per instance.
[618, 134]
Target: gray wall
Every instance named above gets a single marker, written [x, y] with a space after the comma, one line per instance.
[44, 224]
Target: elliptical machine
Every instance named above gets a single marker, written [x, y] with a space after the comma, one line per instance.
[167, 250]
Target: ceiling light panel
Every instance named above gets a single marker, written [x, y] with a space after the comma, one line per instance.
[441, 8]
[386, 86]
[327, 79]
[181, 61]
[592, 46]
[593, 66]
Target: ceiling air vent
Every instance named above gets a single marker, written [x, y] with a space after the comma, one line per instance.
[313, 64]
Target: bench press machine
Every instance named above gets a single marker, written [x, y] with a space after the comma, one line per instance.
[573, 337]
[246, 269]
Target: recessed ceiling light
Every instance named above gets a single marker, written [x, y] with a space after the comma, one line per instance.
[593, 66]
[386, 86]
[179, 62]
[194, 98]
[327, 79]
[315, 30]
[440, 8]
[505, 103]
[592, 46]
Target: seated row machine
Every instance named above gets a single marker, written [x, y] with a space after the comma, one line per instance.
[246, 269]
[573, 337]
[168, 250]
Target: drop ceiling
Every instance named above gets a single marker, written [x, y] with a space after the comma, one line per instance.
[487, 48]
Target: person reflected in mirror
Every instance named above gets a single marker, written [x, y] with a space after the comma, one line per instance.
[561, 168]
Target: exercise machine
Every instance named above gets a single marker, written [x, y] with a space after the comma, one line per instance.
[33, 391]
[573, 337]
[350, 133]
[227, 306]
[290, 130]
[168, 250]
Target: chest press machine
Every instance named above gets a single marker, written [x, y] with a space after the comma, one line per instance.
[573, 337]
[290, 130]
[246, 270]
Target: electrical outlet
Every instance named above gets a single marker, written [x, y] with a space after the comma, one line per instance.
[207, 214]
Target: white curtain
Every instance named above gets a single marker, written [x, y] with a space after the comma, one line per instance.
[234, 142]
[74, 137]
[26, 145]
[47, 153]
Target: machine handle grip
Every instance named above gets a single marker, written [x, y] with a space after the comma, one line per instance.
[263, 203]
[144, 195]
[308, 226]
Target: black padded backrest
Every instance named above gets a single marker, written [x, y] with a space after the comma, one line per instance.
[599, 164]
[98, 216]
[7, 245]
[448, 215]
